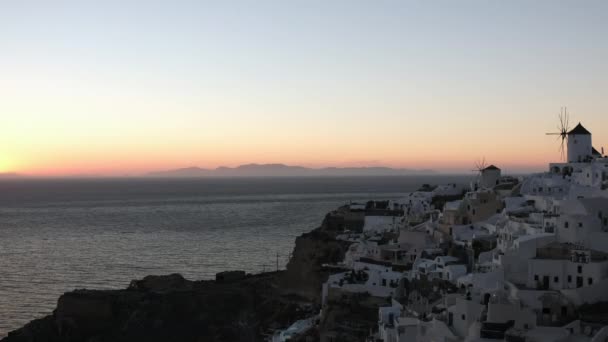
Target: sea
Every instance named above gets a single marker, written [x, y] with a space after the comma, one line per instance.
[57, 235]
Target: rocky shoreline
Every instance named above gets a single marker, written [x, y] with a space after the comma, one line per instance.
[234, 307]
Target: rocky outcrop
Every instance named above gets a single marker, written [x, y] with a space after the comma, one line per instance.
[160, 284]
[168, 308]
[305, 273]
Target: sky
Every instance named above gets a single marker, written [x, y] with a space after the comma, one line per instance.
[125, 87]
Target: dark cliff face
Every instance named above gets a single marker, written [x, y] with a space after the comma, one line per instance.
[305, 275]
[167, 308]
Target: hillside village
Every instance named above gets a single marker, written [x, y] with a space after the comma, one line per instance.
[502, 259]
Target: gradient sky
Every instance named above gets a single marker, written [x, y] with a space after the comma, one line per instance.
[124, 87]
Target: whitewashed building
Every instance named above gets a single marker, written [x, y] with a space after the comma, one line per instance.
[560, 266]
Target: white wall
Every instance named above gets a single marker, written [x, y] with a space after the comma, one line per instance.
[562, 269]
[598, 241]
[453, 272]
[504, 312]
[489, 178]
[381, 223]
[465, 313]
[589, 294]
[579, 147]
[417, 239]
[576, 233]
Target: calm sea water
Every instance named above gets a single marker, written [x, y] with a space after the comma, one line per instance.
[59, 235]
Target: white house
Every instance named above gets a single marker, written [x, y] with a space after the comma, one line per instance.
[502, 308]
[463, 314]
[381, 223]
[560, 266]
[584, 221]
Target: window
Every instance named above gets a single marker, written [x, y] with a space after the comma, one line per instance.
[590, 281]
[580, 269]
[569, 278]
[536, 277]
[464, 318]
[580, 224]
[566, 224]
[556, 279]
[605, 221]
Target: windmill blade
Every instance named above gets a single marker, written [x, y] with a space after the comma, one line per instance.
[478, 166]
[564, 121]
[562, 130]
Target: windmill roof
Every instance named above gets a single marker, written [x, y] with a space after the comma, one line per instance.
[579, 129]
[491, 167]
[595, 152]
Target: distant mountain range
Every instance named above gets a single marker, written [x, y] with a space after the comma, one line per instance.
[9, 175]
[281, 170]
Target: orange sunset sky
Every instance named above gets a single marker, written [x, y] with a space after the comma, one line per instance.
[123, 88]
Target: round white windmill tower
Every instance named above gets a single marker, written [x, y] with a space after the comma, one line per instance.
[579, 144]
[489, 177]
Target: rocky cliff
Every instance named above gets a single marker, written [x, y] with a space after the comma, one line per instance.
[305, 275]
[166, 308]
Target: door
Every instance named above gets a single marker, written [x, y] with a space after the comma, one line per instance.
[545, 282]
[579, 281]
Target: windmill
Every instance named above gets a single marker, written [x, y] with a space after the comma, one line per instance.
[563, 129]
[480, 165]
